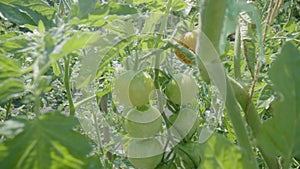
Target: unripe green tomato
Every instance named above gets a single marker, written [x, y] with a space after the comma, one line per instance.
[182, 89]
[143, 124]
[133, 88]
[185, 123]
[145, 153]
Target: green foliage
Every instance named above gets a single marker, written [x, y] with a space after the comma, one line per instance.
[15, 15]
[62, 57]
[281, 134]
[47, 142]
[218, 152]
[11, 84]
[25, 12]
[10, 88]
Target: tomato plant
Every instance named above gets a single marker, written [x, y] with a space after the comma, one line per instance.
[63, 98]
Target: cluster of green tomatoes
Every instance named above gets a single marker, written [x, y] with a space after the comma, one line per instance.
[143, 120]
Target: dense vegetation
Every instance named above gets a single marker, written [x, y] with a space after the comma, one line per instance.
[149, 84]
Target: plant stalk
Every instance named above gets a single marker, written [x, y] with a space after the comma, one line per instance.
[211, 21]
[237, 54]
[67, 85]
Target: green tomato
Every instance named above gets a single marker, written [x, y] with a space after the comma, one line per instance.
[143, 124]
[133, 88]
[145, 153]
[182, 89]
[185, 123]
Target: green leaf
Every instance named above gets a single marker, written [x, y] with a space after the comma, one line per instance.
[14, 44]
[78, 41]
[281, 134]
[91, 20]
[121, 9]
[39, 6]
[178, 5]
[219, 153]
[11, 88]
[8, 35]
[9, 69]
[15, 15]
[56, 68]
[28, 12]
[47, 142]
[10, 85]
[41, 27]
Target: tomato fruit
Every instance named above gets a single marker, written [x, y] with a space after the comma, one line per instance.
[133, 88]
[182, 89]
[189, 41]
[185, 123]
[145, 153]
[143, 124]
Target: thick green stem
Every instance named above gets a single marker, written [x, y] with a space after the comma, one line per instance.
[252, 119]
[212, 18]
[242, 96]
[67, 85]
[239, 127]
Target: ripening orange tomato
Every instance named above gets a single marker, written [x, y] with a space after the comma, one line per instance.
[188, 40]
